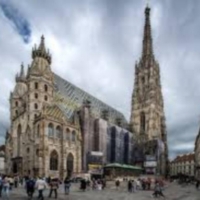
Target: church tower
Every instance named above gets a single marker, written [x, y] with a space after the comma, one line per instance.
[147, 113]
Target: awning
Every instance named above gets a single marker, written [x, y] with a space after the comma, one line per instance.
[123, 166]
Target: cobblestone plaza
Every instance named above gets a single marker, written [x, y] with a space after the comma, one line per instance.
[173, 191]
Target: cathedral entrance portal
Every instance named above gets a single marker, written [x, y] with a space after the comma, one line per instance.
[70, 164]
[15, 170]
[17, 165]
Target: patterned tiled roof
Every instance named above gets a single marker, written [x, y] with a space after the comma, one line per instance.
[184, 158]
[69, 97]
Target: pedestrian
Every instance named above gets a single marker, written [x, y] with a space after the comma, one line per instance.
[16, 180]
[6, 187]
[67, 184]
[117, 183]
[54, 185]
[30, 187]
[40, 186]
[158, 191]
[134, 186]
[197, 184]
[83, 185]
[129, 186]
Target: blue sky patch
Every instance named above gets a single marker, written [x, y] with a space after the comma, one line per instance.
[21, 25]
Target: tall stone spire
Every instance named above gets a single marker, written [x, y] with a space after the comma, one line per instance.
[147, 50]
[21, 76]
[41, 51]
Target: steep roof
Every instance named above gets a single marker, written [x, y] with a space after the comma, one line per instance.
[71, 97]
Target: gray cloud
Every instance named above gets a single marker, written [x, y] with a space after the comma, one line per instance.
[101, 40]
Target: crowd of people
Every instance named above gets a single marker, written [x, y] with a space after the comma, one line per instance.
[39, 185]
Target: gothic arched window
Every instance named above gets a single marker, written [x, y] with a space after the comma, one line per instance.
[67, 134]
[142, 122]
[19, 133]
[53, 160]
[46, 98]
[73, 136]
[35, 106]
[58, 132]
[50, 130]
[36, 85]
[70, 164]
[126, 148]
[16, 103]
[36, 95]
[45, 88]
[113, 145]
[38, 130]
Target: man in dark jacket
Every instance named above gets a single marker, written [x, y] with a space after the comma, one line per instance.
[54, 184]
[30, 186]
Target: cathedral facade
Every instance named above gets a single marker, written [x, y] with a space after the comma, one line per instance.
[55, 125]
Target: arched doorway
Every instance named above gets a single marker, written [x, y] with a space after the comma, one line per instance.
[70, 164]
[15, 169]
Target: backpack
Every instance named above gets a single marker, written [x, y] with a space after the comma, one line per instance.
[30, 184]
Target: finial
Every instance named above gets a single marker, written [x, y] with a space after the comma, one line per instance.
[147, 3]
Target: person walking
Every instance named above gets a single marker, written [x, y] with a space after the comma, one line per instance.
[117, 184]
[158, 191]
[54, 185]
[130, 186]
[6, 187]
[30, 187]
[67, 184]
[40, 186]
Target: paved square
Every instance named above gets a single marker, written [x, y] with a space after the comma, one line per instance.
[173, 192]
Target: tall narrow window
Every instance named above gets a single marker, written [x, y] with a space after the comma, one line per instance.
[38, 130]
[35, 106]
[50, 130]
[19, 132]
[142, 122]
[16, 103]
[68, 134]
[36, 85]
[45, 88]
[58, 132]
[73, 136]
[53, 160]
[46, 98]
[36, 95]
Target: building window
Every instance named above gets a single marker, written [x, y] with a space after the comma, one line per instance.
[16, 103]
[143, 80]
[53, 160]
[36, 85]
[50, 130]
[28, 150]
[58, 132]
[46, 98]
[36, 95]
[37, 152]
[142, 122]
[68, 134]
[45, 88]
[38, 130]
[36, 106]
[19, 133]
[73, 136]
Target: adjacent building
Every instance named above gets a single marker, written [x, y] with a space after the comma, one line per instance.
[197, 156]
[57, 129]
[183, 164]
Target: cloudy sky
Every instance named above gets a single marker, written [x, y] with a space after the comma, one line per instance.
[95, 44]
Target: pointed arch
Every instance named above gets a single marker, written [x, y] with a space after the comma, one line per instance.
[53, 164]
[19, 135]
[58, 132]
[68, 134]
[50, 130]
[70, 164]
[73, 136]
[28, 132]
